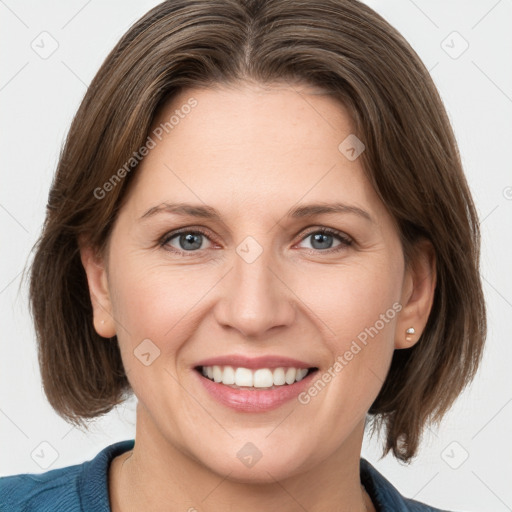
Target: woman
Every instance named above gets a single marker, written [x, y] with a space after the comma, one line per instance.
[260, 226]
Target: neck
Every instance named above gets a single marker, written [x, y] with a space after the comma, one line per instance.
[155, 475]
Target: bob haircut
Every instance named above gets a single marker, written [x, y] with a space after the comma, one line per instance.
[411, 158]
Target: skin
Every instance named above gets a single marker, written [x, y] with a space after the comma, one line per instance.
[252, 153]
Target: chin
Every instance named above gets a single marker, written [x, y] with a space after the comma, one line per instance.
[251, 465]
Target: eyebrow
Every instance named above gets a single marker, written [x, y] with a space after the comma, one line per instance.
[207, 212]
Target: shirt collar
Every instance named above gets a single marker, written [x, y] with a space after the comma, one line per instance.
[384, 495]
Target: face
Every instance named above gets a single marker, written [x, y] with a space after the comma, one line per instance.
[251, 285]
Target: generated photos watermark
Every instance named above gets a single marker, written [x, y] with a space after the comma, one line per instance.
[344, 359]
[157, 133]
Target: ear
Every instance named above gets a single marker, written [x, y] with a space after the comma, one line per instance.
[417, 295]
[98, 288]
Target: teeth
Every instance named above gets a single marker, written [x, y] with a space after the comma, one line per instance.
[301, 373]
[279, 378]
[228, 376]
[217, 374]
[260, 378]
[290, 375]
[243, 377]
[263, 378]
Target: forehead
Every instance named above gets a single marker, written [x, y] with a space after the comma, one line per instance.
[252, 147]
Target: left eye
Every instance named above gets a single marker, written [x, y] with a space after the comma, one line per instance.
[322, 239]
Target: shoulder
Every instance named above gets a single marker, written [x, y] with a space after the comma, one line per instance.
[77, 488]
[385, 496]
[53, 490]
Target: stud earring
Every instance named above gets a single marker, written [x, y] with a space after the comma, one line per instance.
[102, 322]
[409, 332]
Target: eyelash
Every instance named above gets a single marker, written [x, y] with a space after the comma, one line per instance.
[344, 239]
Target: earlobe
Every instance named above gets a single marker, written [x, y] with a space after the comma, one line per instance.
[417, 295]
[99, 290]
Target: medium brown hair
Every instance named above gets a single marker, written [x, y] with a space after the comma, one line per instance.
[411, 159]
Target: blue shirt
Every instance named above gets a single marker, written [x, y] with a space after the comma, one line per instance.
[84, 488]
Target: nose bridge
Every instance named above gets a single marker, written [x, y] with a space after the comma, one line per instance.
[255, 299]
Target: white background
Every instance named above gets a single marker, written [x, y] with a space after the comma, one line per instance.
[38, 98]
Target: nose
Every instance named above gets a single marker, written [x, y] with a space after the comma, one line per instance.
[255, 298]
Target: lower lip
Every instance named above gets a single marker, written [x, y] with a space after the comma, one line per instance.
[254, 400]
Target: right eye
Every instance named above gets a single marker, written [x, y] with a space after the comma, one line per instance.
[185, 241]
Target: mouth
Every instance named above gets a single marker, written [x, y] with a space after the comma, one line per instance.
[254, 384]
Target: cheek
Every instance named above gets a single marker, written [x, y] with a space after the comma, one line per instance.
[156, 301]
[351, 298]
[357, 307]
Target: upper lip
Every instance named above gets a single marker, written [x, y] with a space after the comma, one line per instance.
[239, 361]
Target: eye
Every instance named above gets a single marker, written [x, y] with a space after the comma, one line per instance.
[185, 241]
[191, 241]
[322, 240]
